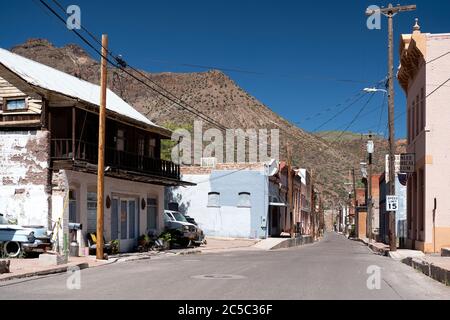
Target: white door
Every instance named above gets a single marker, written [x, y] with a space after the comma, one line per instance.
[128, 224]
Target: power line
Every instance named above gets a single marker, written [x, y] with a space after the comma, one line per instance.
[166, 95]
[326, 110]
[354, 119]
[361, 95]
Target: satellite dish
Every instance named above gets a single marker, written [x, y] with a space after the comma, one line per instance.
[273, 168]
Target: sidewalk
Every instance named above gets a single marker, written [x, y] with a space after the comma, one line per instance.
[377, 247]
[26, 268]
[435, 267]
[216, 244]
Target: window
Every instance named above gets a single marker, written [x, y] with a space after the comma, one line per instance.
[15, 104]
[73, 207]
[417, 125]
[409, 126]
[152, 214]
[120, 140]
[92, 212]
[214, 199]
[152, 148]
[422, 109]
[244, 200]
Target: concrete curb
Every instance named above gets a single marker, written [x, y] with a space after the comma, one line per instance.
[429, 269]
[381, 251]
[47, 272]
[290, 243]
[188, 252]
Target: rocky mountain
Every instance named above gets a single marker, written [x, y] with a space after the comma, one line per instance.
[216, 95]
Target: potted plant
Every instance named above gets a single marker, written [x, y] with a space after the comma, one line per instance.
[144, 242]
[115, 247]
[166, 239]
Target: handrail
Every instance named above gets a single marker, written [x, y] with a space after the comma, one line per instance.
[61, 149]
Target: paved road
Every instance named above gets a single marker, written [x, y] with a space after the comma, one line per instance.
[335, 268]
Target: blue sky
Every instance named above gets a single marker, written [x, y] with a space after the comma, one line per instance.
[299, 51]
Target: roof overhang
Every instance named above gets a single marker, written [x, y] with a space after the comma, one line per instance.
[81, 166]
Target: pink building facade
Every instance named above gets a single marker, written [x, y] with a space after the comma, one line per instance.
[424, 71]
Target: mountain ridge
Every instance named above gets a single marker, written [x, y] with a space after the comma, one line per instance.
[215, 94]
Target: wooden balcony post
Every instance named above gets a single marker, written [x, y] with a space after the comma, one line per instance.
[74, 120]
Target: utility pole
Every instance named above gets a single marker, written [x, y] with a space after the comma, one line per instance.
[355, 201]
[370, 150]
[390, 12]
[312, 206]
[101, 150]
[290, 188]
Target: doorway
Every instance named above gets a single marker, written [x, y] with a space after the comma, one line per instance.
[124, 223]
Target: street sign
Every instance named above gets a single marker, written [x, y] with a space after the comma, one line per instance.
[391, 203]
[408, 163]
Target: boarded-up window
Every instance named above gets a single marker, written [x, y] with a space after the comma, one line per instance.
[244, 200]
[214, 199]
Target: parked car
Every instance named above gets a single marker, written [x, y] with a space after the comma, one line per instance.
[191, 220]
[185, 233]
[16, 240]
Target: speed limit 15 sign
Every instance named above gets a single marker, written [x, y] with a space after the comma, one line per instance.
[391, 203]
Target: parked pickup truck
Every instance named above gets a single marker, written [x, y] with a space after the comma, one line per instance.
[16, 240]
[186, 233]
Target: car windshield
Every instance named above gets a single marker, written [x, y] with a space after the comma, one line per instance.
[167, 217]
[179, 217]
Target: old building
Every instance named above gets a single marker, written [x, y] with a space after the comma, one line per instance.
[244, 200]
[233, 200]
[306, 202]
[423, 74]
[49, 151]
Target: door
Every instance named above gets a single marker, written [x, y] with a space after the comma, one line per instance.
[124, 223]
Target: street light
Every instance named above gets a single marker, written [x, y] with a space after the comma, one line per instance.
[374, 90]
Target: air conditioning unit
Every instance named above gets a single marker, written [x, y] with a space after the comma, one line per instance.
[208, 162]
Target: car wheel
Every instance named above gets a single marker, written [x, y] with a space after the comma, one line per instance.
[185, 243]
[12, 249]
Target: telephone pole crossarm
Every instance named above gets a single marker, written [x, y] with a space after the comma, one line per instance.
[391, 10]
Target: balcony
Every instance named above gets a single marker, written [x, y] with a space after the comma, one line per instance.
[85, 152]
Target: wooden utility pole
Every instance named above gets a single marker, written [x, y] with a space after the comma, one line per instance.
[355, 200]
[290, 189]
[101, 150]
[313, 206]
[370, 196]
[390, 12]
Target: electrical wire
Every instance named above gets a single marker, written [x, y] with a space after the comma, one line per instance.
[168, 95]
[354, 119]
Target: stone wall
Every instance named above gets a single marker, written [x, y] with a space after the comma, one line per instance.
[24, 177]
